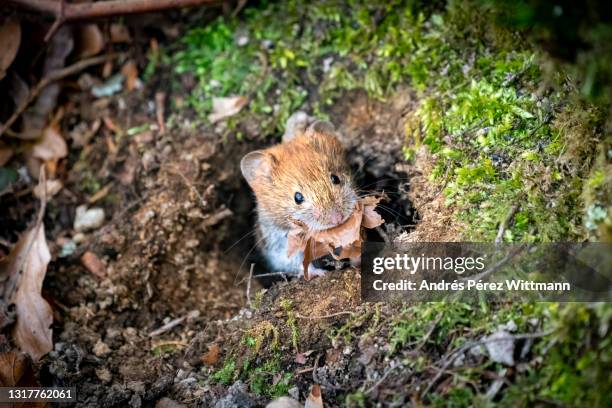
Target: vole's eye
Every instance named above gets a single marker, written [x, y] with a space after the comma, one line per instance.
[298, 197]
[335, 179]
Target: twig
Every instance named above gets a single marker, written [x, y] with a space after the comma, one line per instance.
[324, 316]
[160, 98]
[314, 370]
[505, 222]
[215, 218]
[168, 326]
[248, 288]
[59, 20]
[429, 333]
[82, 11]
[51, 77]
[497, 266]
[282, 274]
[383, 378]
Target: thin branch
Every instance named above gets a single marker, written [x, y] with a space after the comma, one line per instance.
[299, 316]
[497, 266]
[504, 224]
[248, 288]
[51, 77]
[60, 18]
[168, 326]
[83, 11]
[383, 378]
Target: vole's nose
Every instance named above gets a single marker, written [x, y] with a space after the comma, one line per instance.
[335, 216]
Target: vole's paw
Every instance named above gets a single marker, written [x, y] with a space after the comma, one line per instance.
[314, 272]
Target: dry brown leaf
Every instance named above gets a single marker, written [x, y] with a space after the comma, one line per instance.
[10, 38]
[119, 33]
[13, 365]
[52, 187]
[371, 219]
[26, 266]
[130, 71]
[111, 125]
[90, 40]
[107, 69]
[314, 400]
[315, 244]
[51, 146]
[5, 154]
[211, 357]
[226, 107]
[300, 358]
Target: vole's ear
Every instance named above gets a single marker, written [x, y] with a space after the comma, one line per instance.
[255, 165]
[322, 126]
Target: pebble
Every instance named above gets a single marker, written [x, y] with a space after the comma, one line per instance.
[88, 219]
[104, 375]
[101, 349]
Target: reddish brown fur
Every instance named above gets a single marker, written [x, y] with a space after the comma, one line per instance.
[304, 164]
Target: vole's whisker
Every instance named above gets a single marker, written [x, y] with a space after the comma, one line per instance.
[253, 231]
[390, 211]
[247, 257]
[385, 179]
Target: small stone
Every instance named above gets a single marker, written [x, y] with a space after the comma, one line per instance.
[136, 386]
[68, 249]
[511, 326]
[104, 375]
[242, 41]
[101, 349]
[500, 346]
[88, 219]
[93, 264]
[284, 402]
[294, 392]
[168, 403]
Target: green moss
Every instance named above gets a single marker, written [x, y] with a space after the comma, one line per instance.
[575, 363]
[356, 400]
[269, 380]
[226, 374]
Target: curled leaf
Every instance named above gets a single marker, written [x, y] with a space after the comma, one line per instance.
[10, 38]
[26, 267]
[90, 40]
[346, 236]
[130, 71]
[12, 367]
[226, 107]
[314, 400]
[51, 146]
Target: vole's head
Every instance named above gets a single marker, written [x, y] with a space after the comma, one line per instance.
[306, 178]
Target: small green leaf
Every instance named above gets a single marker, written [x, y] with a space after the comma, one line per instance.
[7, 176]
